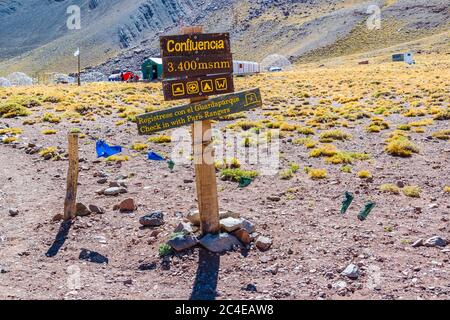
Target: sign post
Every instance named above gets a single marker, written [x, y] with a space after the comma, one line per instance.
[205, 173]
[195, 66]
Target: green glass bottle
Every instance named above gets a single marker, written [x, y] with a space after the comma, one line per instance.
[366, 210]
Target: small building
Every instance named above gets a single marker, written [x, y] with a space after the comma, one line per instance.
[404, 57]
[152, 69]
[241, 68]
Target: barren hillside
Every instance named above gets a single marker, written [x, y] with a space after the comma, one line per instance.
[35, 37]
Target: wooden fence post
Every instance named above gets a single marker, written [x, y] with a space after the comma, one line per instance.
[70, 203]
[205, 173]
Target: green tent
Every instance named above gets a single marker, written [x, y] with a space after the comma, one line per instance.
[152, 69]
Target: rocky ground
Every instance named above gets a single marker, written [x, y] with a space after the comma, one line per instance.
[312, 251]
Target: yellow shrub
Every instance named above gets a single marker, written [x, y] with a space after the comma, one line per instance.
[116, 158]
[326, 150]
[400, 145]
[364, 174]
[49, 132]
[330, 135]
[390, 188]
[160, 139]
[317, 174]
[137, 146]
[412, 191]
[13, 131]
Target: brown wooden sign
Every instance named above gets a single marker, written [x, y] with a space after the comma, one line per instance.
[206, 110]
[195, 44]
[198, 87]
[178, 67]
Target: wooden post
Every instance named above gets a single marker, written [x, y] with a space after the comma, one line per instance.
[70, 204]
[79, 69]
[205, 173]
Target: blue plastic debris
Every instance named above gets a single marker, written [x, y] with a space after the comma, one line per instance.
[104, 150]
[155, 157]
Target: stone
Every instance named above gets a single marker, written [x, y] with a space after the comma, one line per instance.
[154, 219]
[435, 242]
[400, 184]
[351, 272]
[13, 212]
[219, 242]
[194, 217]
[243, 236]
[114, 184]
[249, 226]
[100, 191]
[184, 227]
[102, 181]
[127, 205]
[254, 235]
[122, 176]
[128, 282]
[82, 210]
[96, 209]
[182, 242]
[228, 214]
[230, 224]
[101, 239]
[417, 243]
[263, 243]
[339, 285]
[250, 287]
[114, 191]
[273, 198]
[3, 269]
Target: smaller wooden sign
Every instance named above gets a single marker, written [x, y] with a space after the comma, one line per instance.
[179, 67]
[195, 44]
[150, 123]
[198, 87]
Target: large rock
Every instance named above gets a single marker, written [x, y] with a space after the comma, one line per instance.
[114, 191]
[182, 242]
[127, 205]
[219, 242]
[184, 227]
[230, 224]
[96, 209]
[351, 272]
[13, 212]
[417, 243]
[435, 242]
[82, 210]
[154, 219]
[249, 226]
[243, 236]
[263, 243]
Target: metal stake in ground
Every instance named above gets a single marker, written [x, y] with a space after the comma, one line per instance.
[205, 174]
[70, 203]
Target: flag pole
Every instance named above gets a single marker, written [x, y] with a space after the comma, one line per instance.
[79, 68]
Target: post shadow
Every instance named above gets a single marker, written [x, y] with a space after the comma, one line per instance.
[205, 285]
[60, 238]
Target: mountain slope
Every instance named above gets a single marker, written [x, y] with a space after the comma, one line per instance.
[122, 33]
